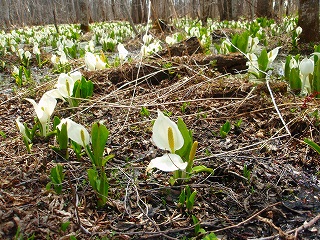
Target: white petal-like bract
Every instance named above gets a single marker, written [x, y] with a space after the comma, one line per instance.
[160, 133]
[168, 163]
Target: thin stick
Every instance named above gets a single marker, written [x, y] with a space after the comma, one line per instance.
[282, 234]
[241, 223]
[305, 226]
[296, 230]
[276, 107]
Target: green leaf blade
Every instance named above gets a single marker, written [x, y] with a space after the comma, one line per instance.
[99, 138]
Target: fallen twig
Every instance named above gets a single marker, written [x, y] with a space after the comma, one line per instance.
[295, 231]
[305, 226]
[282, 234]
[240, 223]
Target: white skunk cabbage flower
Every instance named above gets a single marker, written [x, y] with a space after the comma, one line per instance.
[253, 66]
[123, 52]
[93, 62]
[65, 85]
[252, 44]
[63, 58]
[20, 53]
[306, 67]
[22, 129]
[99, 63]
[273, 54]
[76, 75]
[90, 61]
[147, 38]
[54, 59]
[170, 40]
[44, 110]
[294, 63]
[298, 30]
[15, 70]
[167, 136]
[144, 50]
[36, 49]
[27, 54]
[55, 93]
[76, 132]
[167, 163]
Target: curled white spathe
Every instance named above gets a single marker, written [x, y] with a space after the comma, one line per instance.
[167, 163]
[160, 133]
[306, 66]
[76, 132]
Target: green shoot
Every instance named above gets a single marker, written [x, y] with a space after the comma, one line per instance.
[312, 144]
[197, 228]
[225, 129]
[246, 172]
[144, 112]
[187, 198]
[57, 177]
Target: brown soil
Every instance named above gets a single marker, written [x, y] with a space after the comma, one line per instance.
[280, 199]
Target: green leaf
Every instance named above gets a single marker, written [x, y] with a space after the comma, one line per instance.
[57, 177]
[201, 168]
[92, 176]
[225, 129]
[106, 159]
[2, 134]
[312, 144]
[99, 184]
[99, 138]
[48, 186]
[315, 86]
[196, 223]
[64, 226]
[76, 94]
[103, 189]
[62, 137]
[56, 122]
[188, 140]
[238, 123]
[243, 41]
[182, 197]
[188, 192]
[234, 43]
[86, 88]
[77, 149]
[294, 79]
[172, 180]
[76, 89]
[287, 69]
[263, 60]
[144, 112]
[239, 41]
[190, 200]
[210, 236]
